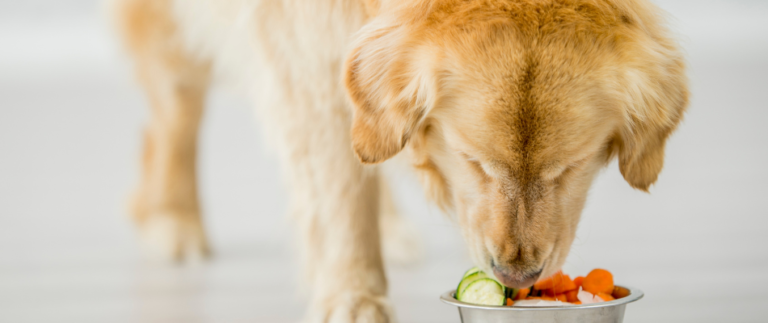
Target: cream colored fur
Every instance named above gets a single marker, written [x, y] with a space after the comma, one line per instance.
[507, 109]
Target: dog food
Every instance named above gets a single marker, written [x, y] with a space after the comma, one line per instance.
[557, 290]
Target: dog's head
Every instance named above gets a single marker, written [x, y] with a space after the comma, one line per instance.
[509, 109]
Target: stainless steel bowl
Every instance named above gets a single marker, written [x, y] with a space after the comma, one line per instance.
[605, 312]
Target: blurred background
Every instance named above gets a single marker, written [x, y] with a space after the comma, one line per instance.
[70, 120]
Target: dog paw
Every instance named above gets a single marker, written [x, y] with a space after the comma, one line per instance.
[174, 237]
[400, 241]
[350, 308]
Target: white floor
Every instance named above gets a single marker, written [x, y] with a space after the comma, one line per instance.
[70, 118]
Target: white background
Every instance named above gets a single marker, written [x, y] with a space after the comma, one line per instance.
[70, 118]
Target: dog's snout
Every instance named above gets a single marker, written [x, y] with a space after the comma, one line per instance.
[516, 266]
[513, 278]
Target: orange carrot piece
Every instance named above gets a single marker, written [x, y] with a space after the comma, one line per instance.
[561, 297]
[565, 284]
[577, 281]
[605, 297]
[533, 297]
[619, 292]
[548, 282]
[598, 281]
[576, 303]
[557, 283]
[510, 302]
[522, 293]
[547, 298]
[572, 296]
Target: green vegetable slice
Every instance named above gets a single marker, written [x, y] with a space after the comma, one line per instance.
[468, 280]
[483, 291]
[471, 271]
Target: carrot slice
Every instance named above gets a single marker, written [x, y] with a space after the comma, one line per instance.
[598, 281]
[576, 303]
[605, 297]
[577, 281]
[572, 296]
[547, 298]
[565, 284]
[561, 297]
[510, 302]
[522, 293]
[619, 292]
[549, 282]
[557, 283]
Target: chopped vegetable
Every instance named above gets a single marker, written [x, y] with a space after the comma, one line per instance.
[572, 296]
[484, 291]
[471, 271]
[557, 290]
[577, 281]
[539, 302]
[522, 293]
[512, 293]
[598, 281]
[619, 292]
[586, 297]
[477, 288]
[605, 297]
[556, 284]
[468, 280]
[548, 282]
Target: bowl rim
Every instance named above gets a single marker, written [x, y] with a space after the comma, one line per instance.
[634, 295]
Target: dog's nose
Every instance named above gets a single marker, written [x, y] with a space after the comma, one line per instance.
[515, 278]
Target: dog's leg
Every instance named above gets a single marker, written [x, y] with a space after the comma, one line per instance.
[342, 249]
[400, 239]
[165, 206]
[335, 206]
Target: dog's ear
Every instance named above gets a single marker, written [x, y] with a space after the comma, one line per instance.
[656, 90]
[389, 81]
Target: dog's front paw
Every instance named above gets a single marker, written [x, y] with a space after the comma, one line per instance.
[171, 236]
[170, 233]
[353, 308]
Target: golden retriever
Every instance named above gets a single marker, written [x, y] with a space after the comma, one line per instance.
[506, 108]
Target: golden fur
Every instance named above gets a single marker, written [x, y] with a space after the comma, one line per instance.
[517, 104]
[507, 109]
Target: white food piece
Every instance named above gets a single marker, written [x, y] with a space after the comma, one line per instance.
[538, 302]
[588, 298]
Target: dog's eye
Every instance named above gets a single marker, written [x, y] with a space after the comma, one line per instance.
[563, 174]
[557, 174]
[475, 164]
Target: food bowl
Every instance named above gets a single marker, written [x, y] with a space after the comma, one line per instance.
[604, 312]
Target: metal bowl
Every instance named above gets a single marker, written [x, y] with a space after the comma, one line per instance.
[605, 312]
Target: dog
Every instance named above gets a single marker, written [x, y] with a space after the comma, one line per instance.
[506, 109]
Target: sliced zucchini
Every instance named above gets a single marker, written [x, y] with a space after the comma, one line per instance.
[483, 291]
[470, 272]
[468, 280]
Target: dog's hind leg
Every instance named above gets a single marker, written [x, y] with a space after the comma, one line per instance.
[165, 206]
